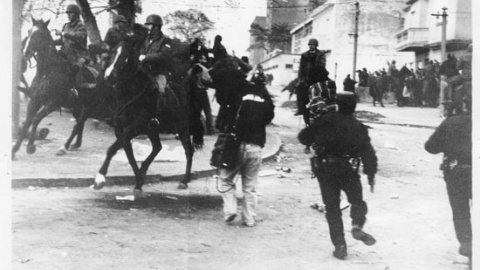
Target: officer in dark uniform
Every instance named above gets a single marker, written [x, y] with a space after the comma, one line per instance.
[341, 143]
[117, 33]
[453, 139]
[312, 70]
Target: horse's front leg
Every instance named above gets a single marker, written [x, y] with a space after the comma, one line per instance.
[32, 110]
[156, 147]
[31, 148]
[127, 146]
[100, 177]
[187, 146]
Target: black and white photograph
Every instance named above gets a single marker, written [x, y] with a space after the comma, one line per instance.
[239, 134]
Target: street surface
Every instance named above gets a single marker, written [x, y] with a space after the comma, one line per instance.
[166, 228]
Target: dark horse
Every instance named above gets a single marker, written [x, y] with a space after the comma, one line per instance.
[136, 107]
[51, 89]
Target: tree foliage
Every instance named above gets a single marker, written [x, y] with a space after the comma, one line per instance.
[278, 37]
[188, 24]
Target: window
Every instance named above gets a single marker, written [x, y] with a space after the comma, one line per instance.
[289, 66]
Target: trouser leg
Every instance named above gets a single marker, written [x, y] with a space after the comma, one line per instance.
[459, 189]
[251, 166]
[330, 191]
[228, 191]
[353, 189]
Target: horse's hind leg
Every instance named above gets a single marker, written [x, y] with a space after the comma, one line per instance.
[187, 146]
[76, 132]
[156, 147]
[100, 178]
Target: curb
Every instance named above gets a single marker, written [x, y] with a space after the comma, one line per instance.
[397, 124]
[130, 179]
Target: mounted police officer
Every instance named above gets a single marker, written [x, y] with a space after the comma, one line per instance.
[74, 45]
[73, 37]
[341, 143]
[116, 33]
[156, 58]
[312, 70]
[453, 138]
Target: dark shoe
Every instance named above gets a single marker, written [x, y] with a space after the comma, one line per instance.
[465, 249]
[366, 238]
[230, 218]
[340, 252]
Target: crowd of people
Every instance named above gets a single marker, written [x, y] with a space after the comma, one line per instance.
[421, 87]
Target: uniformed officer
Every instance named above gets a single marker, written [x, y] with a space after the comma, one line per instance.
[341, 143]
[312, 70]
[116, 33]
[453, 139]
[73, 37]
[156, 58]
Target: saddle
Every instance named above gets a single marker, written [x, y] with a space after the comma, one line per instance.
[87, 78]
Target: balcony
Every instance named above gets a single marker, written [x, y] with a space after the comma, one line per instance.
[412, 40]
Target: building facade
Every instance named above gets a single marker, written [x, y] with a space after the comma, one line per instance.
[422, 33]
[333, 25]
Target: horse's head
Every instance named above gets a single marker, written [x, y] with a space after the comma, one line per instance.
[125, 57]
[39, 38]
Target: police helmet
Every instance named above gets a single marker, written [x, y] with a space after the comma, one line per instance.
[72, 8]
[154, 19]
[313, 41]
[119, 18]
[347, 102]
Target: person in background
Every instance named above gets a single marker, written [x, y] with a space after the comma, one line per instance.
[218, 49]
[259, 77]
[341, 144]
[349, 84]
[197, 52]
[255, 113]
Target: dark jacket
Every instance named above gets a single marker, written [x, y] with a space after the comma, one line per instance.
[114, 36]
[158, 54]
[255, 113]
[339, 135]
[74, 40]
[453, 138]
[198, 51]
[312, 67]
[349, 85]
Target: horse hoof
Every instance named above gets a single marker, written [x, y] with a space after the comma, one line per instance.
[99, 182]
[31, 149]
[182, 186]
[61, 152]
[42, 134]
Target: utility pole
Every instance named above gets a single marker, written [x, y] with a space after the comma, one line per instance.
[355, 39]
[443, 44]
[443, 48]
